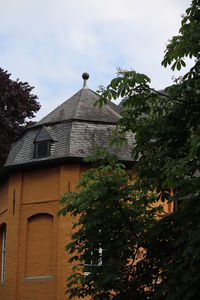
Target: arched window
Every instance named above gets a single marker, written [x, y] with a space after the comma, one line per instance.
[39, 245]
[3, 251]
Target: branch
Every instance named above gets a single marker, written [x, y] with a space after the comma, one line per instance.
[165, 95]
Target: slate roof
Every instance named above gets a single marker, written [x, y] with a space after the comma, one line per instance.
[81, 107]
[74, 128]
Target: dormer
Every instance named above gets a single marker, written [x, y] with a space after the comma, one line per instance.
[43, 143]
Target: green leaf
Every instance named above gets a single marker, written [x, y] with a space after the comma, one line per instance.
[178, 65]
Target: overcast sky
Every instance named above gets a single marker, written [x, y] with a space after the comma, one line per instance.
[51, 43]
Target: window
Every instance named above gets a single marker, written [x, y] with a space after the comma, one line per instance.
[42, 143]
[93, 256]
[42, 149]
[93, 259]
[3, 251]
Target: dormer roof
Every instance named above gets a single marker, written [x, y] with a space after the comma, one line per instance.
[43, 135]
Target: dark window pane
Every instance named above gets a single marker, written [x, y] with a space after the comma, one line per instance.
[42, 149]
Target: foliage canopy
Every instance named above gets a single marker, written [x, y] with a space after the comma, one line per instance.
[146, 254]
[17, 105]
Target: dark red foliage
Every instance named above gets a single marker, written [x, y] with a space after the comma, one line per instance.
[17, 105]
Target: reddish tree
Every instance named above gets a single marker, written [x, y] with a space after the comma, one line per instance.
[17, 106]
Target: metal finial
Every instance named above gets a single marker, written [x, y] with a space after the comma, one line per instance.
[85, 77]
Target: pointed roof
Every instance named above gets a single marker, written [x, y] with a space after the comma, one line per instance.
[74, 128]
[81, 107]
[43, 135]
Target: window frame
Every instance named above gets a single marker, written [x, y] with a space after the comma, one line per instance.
[93, 263]
[3, 254]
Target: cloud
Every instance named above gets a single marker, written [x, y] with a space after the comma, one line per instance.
[51, 43]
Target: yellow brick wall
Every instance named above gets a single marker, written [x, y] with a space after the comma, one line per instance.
[3, 196]
[26, 194]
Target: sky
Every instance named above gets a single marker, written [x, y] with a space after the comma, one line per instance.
[50, 43]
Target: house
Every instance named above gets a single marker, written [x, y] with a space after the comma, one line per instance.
[46, 161]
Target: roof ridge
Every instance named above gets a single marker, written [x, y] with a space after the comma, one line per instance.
[55, 109]
[78, 102]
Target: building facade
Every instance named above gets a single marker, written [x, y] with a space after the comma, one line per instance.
[45, 162]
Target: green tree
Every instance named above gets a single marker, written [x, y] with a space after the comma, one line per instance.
[166, 126]
[110, 231]
[17, 105]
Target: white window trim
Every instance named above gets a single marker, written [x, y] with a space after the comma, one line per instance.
[100, 261]
[100, 254]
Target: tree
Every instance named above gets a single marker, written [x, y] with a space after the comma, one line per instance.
[112, 219]
[17, 105]
[166, 126]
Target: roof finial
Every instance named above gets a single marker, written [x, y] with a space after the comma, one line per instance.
[85, 77]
